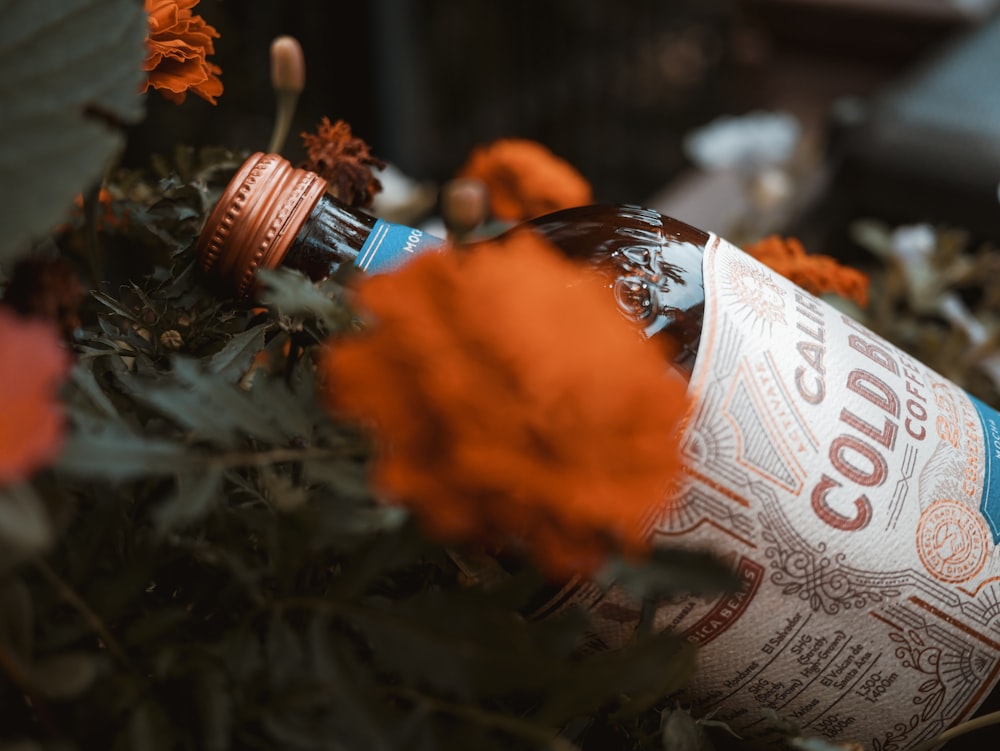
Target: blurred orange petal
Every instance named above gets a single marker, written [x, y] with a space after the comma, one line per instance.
[525, 179]
[511, 402]
[33, 365]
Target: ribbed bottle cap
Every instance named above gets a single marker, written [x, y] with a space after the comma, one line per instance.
[256, 220]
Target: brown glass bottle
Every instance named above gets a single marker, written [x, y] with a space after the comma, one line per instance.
[272, 214]
[825, 463]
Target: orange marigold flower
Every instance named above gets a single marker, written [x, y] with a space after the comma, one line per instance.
[344, 161]
[178, 45]
[33, 364]
[512, 404]
[110, 217]
[525, 179]
[817, 274]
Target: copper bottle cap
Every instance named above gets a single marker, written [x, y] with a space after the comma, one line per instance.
[256, 220]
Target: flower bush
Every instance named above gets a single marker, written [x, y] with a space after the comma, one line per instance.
[327, 518]
[195, 553]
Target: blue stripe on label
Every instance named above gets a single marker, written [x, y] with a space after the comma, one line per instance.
[990, 504]
[390, 245]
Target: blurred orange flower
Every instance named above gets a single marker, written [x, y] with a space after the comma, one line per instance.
[512, 404]
[344, 161]
[109, 218]
[33, 364]
[816, 274]
[178, 45]
[525, 179]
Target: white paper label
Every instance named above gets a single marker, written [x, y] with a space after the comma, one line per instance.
[845, 482]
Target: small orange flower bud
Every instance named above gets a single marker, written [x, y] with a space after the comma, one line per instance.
[288, 65]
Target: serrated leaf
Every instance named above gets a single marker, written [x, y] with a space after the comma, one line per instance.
[294, 294]
[229, 405]
[25, 526]
[275, 402]
[235, 357]
[680, 731]
[354, 697]
[64, 676]
[59, 61]
[670, 571]
[115, 453]
[646, 672]
[207, 404]
[115, 306]
[462, 644]
[194, 497]
[83, 379]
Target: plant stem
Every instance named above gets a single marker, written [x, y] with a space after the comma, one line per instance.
[287, 101]
[993, 718]
[73, 598]
[91, 203]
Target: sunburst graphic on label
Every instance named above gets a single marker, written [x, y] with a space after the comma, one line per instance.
[755, 292]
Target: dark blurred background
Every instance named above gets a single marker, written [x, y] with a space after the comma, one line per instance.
[897, 100]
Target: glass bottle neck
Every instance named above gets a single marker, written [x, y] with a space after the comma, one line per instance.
[332, 236]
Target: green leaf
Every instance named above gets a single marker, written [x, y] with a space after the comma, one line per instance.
[17, 617]
[60, 62]
[25, 527]
[149, 729]
[214, 408]
[682, 732]
[115, 306]
[83, 379]
[64, 676]
[462, 644]
[354, 696]
[194, 497]
[116, 453]
[348, 479]
[671, 571]
[235, 357]
[215, 707]
[644, 672]
[294, 294]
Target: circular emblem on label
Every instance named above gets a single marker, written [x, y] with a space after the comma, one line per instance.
[951, 541]
[755, 290]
